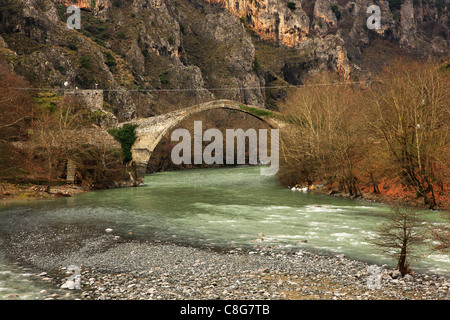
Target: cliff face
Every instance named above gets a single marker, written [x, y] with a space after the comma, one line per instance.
[156, 55]
[164, 54]
[271, 20]
[87, 4]
[291, 22]
[333, 28]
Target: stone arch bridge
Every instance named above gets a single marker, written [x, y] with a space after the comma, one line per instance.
[151, 130]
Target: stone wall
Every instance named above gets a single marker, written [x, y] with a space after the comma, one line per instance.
[92, 99]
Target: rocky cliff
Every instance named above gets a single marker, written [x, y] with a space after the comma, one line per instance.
[152, 56]
[336, 30]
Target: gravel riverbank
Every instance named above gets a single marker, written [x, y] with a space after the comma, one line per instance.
[175, 272]
[113, 268]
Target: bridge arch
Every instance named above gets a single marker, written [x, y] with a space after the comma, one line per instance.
[151, 130]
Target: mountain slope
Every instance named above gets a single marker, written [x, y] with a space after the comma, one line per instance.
[153, 56]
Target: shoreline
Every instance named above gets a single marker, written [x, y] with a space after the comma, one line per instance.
[134, 270]
[13, 193]
[384, 199]
[118, 267]
[19, 193]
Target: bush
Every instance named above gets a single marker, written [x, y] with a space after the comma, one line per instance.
[85, 62]
[126, 136]
[256, 111]
[110, 61]
[117, 3]
[73, 47]
[256, 65]
[163, 77]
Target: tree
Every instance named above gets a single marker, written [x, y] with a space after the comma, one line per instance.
[440, 234]
[16, 109]
[15, 105]
[100, 159]
[324, 138]
[40, 136]
[411, 114]
[400, 236]
[64, 132]
[56, 136]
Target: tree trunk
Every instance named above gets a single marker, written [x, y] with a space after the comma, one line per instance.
[402, 266]
[49, 178]
[376, 190]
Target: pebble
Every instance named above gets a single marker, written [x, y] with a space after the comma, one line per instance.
[144, 270]
[198, 274]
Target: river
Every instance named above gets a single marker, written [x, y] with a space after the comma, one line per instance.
[217, 208]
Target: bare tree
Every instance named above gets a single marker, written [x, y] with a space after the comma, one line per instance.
[440, 234]
[400, 236]
[411, 114]
[100, 158]
[324, 140]
[56, 136]
[15, 105]
[15, 117]
[65, 133]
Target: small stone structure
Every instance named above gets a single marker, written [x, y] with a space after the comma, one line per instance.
[71, 168]
[92, 99]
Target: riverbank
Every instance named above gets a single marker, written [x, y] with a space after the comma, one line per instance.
[391, 194]
[113, 268]
[387, 198]
[117, 244]
[186, 273]
[29, 192]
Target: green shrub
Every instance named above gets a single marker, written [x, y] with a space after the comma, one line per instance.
[163, 77]
[110, 61]
[73, 46]
[126, 136]
[61, 9]
[100, 42]
[85, 62]
[256, 65]
[256, 111]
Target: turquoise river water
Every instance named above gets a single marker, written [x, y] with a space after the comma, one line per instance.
[223, 209]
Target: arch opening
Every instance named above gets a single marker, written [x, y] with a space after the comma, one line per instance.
[152, 131]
